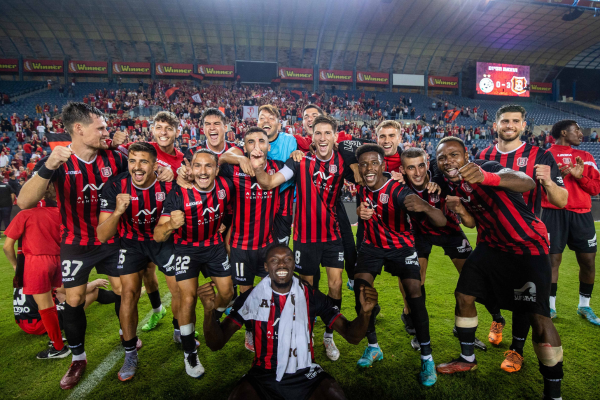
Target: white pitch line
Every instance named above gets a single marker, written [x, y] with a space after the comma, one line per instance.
[93, 379]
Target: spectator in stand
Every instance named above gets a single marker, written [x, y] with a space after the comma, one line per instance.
[7, 198]
[594, 136]
[4, 160]
[474, 150]
[13, 183]
[27, 151]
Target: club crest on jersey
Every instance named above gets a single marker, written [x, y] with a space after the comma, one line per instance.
[271, 172]
[221, 194]
[567, 161]
[160, 196]
[522, 161]
[106, 172]
[467, 187]
[332, 169]
[434, 197]
[383, 198]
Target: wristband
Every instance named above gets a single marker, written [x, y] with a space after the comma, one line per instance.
[45, 173]
[490, 179]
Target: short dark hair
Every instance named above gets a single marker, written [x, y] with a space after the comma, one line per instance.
[168, 117]
[276, 247]
[451, 139]
[271, 109]
[511, 108]
[143, 147]
[316, 107]
[209, 152]
[214, 111]
[560, 126]
[324, 119]
[77, 112]
[413, 152]
[255, 129]
[368, 148]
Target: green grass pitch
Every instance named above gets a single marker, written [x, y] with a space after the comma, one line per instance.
[161, 372]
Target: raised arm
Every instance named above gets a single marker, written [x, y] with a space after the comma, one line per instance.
[355, 331]
[35, 188]
[234, 156]
[108, 222]
[216, 334]
[505, 178]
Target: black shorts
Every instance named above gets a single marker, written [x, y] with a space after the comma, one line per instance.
[247, 264]
[514, 282]
[282, 228]
[211, 261]
[455, 246]
[77, 262]
[398, 262]
[135, 255]
[309, 256]
[298, 386]
[570, 228]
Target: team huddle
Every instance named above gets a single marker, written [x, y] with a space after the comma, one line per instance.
[227, 212]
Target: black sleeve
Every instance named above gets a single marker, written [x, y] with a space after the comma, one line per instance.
[188, 154]
[399, 195]
[122, 161]
[490, 166]
[108, 201]
[173, 202]
[226, 171]
[324, 308]
[293, 165]
[40, 164]
[234, 315]
[548, 159]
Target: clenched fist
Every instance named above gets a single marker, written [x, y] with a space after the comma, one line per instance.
[119, 138]
[177, 219]
[206, 294]
[454, 204]
[542, 173]
[58, 157]
[471, 173]
[364, 211]
[414, 203]
[368, 298]
[123, 200]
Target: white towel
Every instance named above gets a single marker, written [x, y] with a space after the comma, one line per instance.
[293, 336]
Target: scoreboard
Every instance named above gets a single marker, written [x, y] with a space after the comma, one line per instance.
[502, 79]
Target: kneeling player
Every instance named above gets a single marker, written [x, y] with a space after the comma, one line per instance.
[510, 265]
[389, 240]
[131, 204]
[194, 216]
[282, 304]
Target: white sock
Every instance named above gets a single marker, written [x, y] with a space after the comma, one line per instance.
[80, 357]
[430, 357]
[132, 351]
[374, 345]
[187, 329]
[470, 358]
[584, 301]
[177, 331]
[120, 331]
[553, 302]
[327, 335]
[157, 310]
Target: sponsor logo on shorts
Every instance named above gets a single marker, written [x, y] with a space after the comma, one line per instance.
[298, 266]
[21, 310]
[284, 240]
[315, 369]
[412, 260]
[592, 242]
[226, 264]
[466, 246]
[341, 256]
[383, 198]
[526, 293]
[68, 279]
[160, 196]
[522, 161]
[106, 172]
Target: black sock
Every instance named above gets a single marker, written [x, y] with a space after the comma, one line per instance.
[585, 289]
[466, 336]
[338, 304]
[219, 314]
[552, 379]
[60, 309]
[155, 299]
[106, 296]
[420, 319]
[129, 345]
[553, 287]
[248, 326]
[520, 330]
[118, 306]
[75, 325]
[235, 293]
[423, 293]
[495, 312]
[188, 343]
[316, 279]
[175, 323]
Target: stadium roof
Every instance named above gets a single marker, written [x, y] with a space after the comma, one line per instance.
[408, 36]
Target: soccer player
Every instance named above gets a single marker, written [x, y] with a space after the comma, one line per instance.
[510, 265]
[39, 228]
[130, 207]
[164, 132]
[254, 211]
[574, 225]
[283, 366]
[540, 166]
[319, 180]
[79, 172]
[387, 206]
[214, 123]
[194, 217]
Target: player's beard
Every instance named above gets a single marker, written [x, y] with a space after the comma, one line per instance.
[511, 139]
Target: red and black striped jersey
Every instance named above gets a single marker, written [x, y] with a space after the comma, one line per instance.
[425, 227]
[204, 212]
[319, 184]
[266, 333]
[390, 226]
[144, 210]
[253, 208]
[189, 153]
[78, 192]
[164, 159]
[503, 219]
[524, 159]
